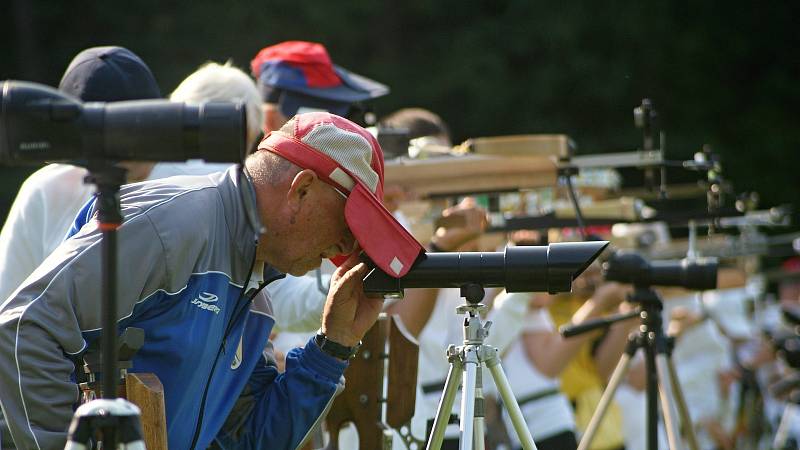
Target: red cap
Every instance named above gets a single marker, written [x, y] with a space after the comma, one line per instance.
[349, 158]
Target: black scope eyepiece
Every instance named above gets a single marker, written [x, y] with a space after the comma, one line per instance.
[41, 124]
[548, 268]
[628, 267]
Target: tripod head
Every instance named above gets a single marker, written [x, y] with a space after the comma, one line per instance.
[473, 293]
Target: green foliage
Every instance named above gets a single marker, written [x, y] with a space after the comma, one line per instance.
[719, 73]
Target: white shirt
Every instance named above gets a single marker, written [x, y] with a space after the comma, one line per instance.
[38, 221]
[546, 416]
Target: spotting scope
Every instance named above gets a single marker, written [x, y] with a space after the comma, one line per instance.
[41, 124]
[546, 268]
[628, 267]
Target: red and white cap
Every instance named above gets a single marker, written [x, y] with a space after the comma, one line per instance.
[349, 158]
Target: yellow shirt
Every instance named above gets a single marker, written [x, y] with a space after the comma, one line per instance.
[581, 383]
[581, 373]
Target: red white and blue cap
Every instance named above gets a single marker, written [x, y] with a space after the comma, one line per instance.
[350, 159]
[299, 74]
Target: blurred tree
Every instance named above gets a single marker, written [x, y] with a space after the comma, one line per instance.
[723, 74]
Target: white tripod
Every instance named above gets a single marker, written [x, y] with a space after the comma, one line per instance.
[465, 364]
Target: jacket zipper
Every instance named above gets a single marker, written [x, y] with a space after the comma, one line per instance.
[221, 350]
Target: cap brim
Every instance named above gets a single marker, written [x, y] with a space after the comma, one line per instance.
[354, 88]
[387, 243]
[292, 103]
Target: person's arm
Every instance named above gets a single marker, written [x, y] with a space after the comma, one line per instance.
[417, 304]
[297, 302]
[278, 411]
[551, 352]
[45, 322]
[21, 246]
[613, 343]
[508, 316]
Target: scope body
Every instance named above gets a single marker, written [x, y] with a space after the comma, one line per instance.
[632, 268]
[550, 268]
[41, 124]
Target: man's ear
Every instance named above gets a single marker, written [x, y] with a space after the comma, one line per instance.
[300, 187]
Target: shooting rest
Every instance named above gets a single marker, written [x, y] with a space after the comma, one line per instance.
[142, 389]
[145, 391]
[362, 400]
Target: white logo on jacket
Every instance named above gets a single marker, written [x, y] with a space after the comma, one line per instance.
[237, 358]
[204, 300]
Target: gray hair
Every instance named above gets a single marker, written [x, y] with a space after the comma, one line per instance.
[216, 82]
[267, 167]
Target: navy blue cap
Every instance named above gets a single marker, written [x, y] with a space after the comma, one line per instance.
[109, 74]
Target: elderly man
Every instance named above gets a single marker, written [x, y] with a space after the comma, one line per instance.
[195, 249]
[295, 77]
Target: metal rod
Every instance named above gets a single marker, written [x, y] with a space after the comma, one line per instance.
[667, 405]
[605, 401]
[652, 397]
[511, 405]
[445, 407]
[683, 409]
[578, 214]
[468, 398]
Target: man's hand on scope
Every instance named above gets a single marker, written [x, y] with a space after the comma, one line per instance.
[472, 222]
[348, 312]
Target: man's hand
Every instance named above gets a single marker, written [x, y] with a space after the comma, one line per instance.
[348, 313]
[609, 295]
[474, 222]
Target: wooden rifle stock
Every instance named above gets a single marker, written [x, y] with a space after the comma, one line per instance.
[361, 401]
[145, 391]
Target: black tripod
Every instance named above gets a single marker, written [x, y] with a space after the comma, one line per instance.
[116, 420]
[661, 377]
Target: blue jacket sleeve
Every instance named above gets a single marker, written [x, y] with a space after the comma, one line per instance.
[279, 411]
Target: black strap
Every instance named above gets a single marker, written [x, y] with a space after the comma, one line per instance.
[537, 396]
[437, 386]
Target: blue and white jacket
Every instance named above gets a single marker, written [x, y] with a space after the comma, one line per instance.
[186, 252]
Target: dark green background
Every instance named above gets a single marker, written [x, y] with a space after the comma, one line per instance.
[722, 73]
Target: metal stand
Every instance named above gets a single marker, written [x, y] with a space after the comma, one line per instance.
[662, 382]
[116, 421]
[465, 365]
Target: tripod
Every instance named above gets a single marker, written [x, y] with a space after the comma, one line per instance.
[661, 377]
[116, 420]
[465, 364]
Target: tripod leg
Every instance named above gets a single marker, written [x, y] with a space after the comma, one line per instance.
[480, 411]
[468, 397]
[683, 410]
[608, 395]
[445, 407]
[782, 434]
[667, 404]
[510, 403]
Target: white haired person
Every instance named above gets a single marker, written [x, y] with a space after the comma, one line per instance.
[221, 83]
